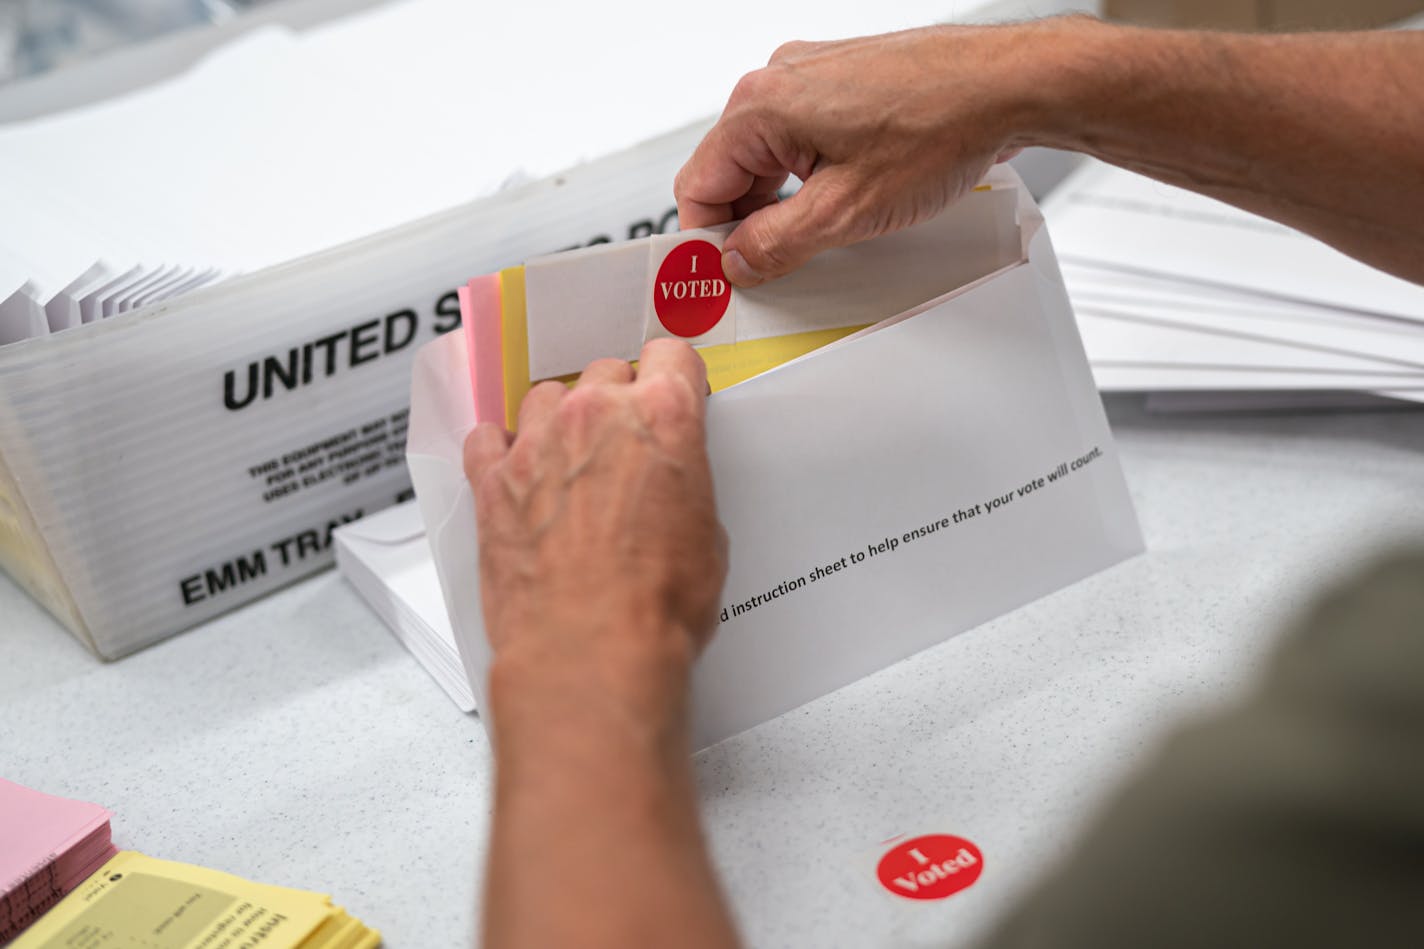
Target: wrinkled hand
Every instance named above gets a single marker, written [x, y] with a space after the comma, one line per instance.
[601, 556]
[884, 131]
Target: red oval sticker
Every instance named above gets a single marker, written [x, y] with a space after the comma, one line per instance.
[930, 867]
[691, 293]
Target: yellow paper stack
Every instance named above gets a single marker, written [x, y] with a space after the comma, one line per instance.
[134, 900]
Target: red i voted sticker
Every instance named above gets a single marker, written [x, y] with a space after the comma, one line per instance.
[691, 293]
[930, 867]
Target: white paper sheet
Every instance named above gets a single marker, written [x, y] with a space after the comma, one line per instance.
[1300, 401]
[1170, 378]
[63, 310]
[22, 316]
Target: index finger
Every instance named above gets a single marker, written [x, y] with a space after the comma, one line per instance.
[729, 164]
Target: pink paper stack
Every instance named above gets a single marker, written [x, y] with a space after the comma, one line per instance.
[48, 846]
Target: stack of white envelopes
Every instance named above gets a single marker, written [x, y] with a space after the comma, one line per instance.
[1207, 306]
[387, 559]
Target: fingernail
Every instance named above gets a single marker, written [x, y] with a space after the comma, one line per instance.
[735, 266]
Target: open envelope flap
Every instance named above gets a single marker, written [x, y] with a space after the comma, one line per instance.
[441, 415]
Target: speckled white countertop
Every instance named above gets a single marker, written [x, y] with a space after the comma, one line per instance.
[296, 742]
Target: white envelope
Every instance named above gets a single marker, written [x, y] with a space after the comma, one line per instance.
[880, 454]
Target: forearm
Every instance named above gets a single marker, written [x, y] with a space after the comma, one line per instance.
[1323, 132]
[596, 839]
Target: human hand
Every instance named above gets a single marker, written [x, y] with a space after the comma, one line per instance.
[884, 131]
[601, 563]
[601, 556]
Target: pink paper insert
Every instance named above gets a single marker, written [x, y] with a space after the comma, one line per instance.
[480, 312]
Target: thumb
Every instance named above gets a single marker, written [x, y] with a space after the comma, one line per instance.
[777, 239]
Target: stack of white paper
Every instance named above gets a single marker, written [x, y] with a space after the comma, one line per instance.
[387, 559]
[1178, 294]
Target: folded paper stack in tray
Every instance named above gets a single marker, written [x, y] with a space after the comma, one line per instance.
[905, 437]
[1206, 306]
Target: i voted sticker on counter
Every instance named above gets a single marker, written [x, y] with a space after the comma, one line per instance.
[930, 866]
